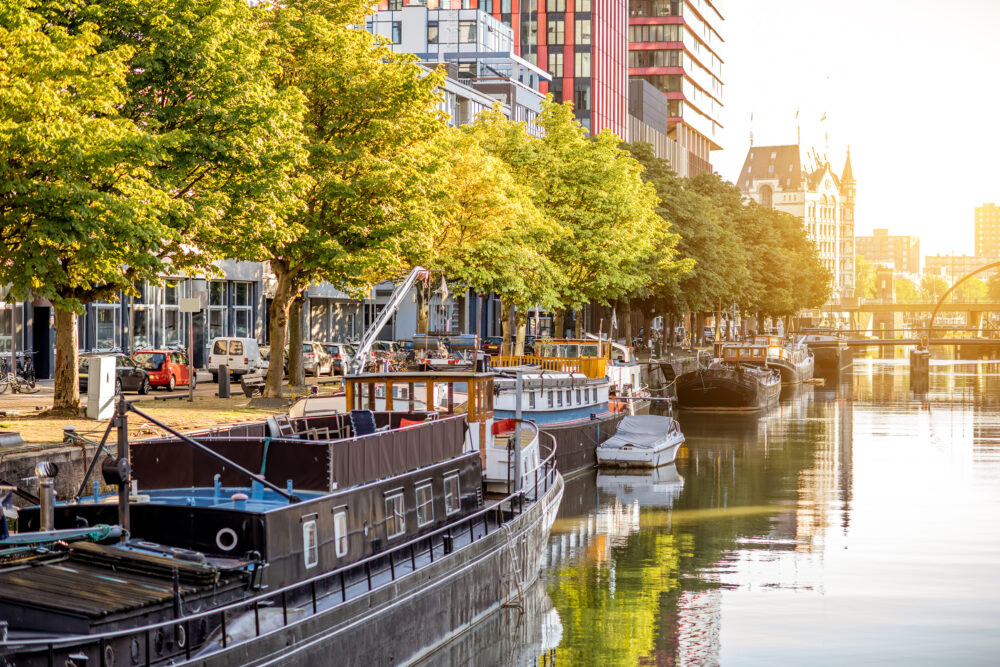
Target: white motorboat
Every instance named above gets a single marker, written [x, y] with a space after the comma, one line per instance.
[642, 441]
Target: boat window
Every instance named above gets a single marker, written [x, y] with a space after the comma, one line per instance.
[395, 517]
[559, 398]
[551, 400]
[579, 396]
[425, 505]
[310, 545]
[569, 351]
[452, 494]
[531, 400]
[569, 397]
[589, 351]
[340, 533]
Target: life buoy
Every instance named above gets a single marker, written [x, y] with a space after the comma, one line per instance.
[230, 537]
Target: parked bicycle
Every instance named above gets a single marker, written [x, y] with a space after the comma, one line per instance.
[23, 380]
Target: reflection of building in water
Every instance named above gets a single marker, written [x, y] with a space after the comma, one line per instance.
[699, 619]
[591, 537]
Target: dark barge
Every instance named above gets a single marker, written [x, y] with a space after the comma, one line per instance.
[730, 385]
[375, 546]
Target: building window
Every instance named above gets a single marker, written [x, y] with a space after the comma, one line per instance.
[242, 325]
[106, 316]
[217, 309]
[397, 32]
[581, 99]
[555, 5]
[582, 31]
[556, 31]
[582, 67]
[432, 32]
[425, 505]
[395, 517]
[310, 545]
[765, 196]
[529, 34]
[556, 64]
[395, 5]
[170, 309]
[452, 494]
[582, 5]
[467, 32]
[340, 533]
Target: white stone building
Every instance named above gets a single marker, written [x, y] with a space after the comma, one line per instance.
[778, 177]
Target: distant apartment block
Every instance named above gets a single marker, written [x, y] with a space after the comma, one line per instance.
[953, 267]
[676, 45]
[987, 230]
[899, 253]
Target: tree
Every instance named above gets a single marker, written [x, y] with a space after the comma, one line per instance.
[146, 128]
[370, 117]
[487, 233]
[615, 242]
[906, 291]
[993, 286]
[932, 287]
[864, 278]
[972, 289]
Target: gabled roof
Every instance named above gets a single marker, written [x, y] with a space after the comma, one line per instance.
[848, 175]
[781, 163]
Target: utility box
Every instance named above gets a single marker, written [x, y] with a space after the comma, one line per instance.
[101, 388]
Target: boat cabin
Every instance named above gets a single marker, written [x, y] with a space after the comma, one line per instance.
[589, 357]
[754, 354]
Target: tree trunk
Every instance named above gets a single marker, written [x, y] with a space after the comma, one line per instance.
[521, 321]
[66, 401]
[505, 317]
[579, 324]
[559, 323]
[296, 368]
[423, 309]
[669, 326]
[278, 313]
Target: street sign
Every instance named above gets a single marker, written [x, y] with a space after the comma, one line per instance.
[190, 305]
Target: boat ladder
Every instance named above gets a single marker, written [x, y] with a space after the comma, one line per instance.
[516, 569]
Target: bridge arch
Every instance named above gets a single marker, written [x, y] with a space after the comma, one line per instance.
[985, 267]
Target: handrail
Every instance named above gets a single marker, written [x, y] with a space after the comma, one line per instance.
[594, 368]
[549, 477]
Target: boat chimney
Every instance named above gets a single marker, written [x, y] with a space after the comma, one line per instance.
[46, 473]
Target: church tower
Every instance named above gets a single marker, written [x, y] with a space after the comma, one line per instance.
[848, 192]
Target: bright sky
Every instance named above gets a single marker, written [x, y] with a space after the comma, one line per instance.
[912, 86]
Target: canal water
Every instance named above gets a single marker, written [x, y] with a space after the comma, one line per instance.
[856, 523]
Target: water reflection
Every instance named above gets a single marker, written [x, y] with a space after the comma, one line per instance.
[851, 522]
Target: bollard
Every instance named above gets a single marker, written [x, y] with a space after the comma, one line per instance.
[223, 381]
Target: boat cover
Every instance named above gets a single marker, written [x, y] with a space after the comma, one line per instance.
[641, 431]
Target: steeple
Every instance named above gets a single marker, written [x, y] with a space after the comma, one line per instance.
[848, 176]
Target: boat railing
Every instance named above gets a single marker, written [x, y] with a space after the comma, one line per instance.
[364, 576]
[594, 368]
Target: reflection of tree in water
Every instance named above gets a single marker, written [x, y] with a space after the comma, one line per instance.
[651, 594]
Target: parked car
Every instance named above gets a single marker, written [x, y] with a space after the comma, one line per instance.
[314, 354]
[491, 344]
[265, 359]
[341, 353]
[128, 376]
[239, 355]
[166, 368]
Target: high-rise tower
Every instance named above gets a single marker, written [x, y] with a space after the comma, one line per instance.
[676, 46]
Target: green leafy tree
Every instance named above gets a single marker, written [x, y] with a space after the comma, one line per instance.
[864, 278]
[133, 133]
[972, 289]
[370, 118]
[906, 291]
[932, 287]
[993, 286]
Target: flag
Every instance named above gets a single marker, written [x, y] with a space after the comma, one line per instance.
[614, 319]
[444, 289]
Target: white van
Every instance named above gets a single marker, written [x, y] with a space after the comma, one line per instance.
[240, 355]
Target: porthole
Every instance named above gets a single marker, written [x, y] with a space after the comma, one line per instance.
[226, 539]
[135, 651]
[180, 636]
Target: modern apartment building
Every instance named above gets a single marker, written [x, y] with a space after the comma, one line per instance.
[899, 253]
[676, 46]
[987, 231]
[953, 267]
[778, 177]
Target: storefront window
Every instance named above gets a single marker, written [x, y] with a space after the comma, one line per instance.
[171, 322]
[242, 320]
[106, 316]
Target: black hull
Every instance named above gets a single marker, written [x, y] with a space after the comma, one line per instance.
[791, 373]
[830, 358]
[724, 389]
[410, 618]
[576, 442]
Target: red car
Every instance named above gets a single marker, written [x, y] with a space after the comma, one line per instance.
[491, 345]
[166, 368]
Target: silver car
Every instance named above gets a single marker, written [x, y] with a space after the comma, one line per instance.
[342, 354]
[315, 355]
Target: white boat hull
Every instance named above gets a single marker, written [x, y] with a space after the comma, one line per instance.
[640, 457]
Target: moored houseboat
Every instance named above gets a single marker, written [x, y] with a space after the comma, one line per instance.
[740, 381]
[830, 351]
[286, 540]
[793, 359]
